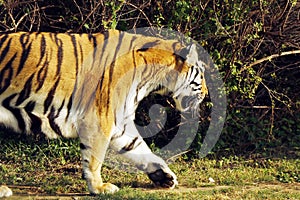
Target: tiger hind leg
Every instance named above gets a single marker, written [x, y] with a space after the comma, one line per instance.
[133, 147]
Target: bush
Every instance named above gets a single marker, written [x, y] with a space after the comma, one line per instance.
[254, 44]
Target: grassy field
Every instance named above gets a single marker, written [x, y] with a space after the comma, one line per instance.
[53, 168]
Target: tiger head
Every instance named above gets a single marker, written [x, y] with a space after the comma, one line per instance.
[187, 82]
[191, 90]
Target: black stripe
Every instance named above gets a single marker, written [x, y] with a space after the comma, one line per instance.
[50, 96]
[115, 116]
[81, 56]
[142, 49]
[36, 122]
[3, 38]
[69, 106]
[42, 49]
[51, 117]
[148, 45]
[60, 108]
[191, 72]
[111, 69]
[134, 65]
[195, 83]
[133, 77]
[73, 39]
[101, 57]
[106, 35]
[133, 39]
[42, 72]
[92, 39]
[26, 48]
[6, 49]
[53, 36]
[15, 111]
[105, 43]
[197, 71]
[41, 75]
[129, 146]
[30, 106]
[6, 75]
[195, 76]
[146, 74]
[25, 93]
[59, 55]
[120, 135]
[116, 136]
[70, 103]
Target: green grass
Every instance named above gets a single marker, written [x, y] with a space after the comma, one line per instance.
[53, 167]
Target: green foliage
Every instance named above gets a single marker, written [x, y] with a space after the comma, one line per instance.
[20, 147]
[115, 7]
[288, 177]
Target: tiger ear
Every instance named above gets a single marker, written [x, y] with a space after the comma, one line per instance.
[189, 54]
[192, 55]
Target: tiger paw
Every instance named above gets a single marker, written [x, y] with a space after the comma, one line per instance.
[5, 191]
[105, 188]
[163, 179]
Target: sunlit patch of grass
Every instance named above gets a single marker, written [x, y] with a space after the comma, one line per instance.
[54, 167]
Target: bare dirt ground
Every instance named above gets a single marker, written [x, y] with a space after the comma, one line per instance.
[27, 194]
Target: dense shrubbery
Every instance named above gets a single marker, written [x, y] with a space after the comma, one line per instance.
[255, 45]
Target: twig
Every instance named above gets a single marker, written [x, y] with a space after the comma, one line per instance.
[89, 15]
[258, 107]
[79, 9]
[270, 58]
[177, 155]
[141, 11]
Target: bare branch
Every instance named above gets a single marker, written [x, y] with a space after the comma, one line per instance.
[268, 58]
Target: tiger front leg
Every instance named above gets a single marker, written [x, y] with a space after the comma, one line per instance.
[92, 174]
[93, 145]
[133, 147]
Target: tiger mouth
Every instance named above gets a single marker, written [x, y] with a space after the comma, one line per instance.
[188, 103]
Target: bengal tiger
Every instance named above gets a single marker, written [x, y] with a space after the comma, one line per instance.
[89, 85]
